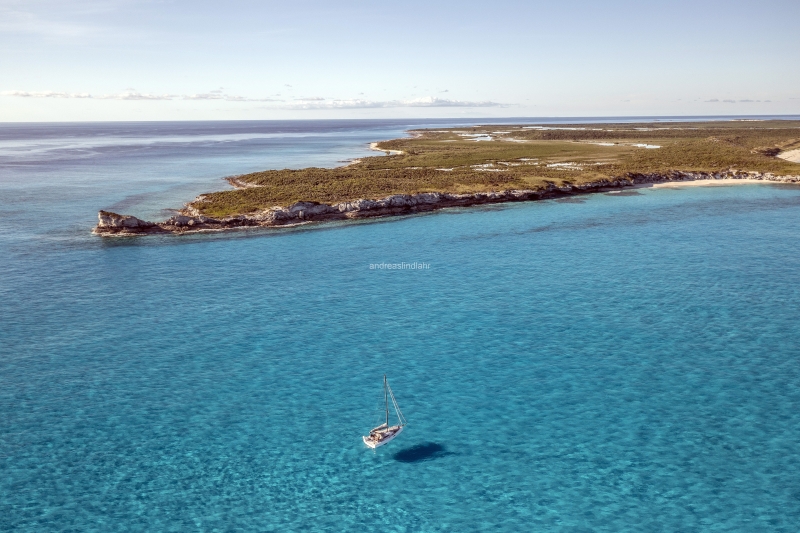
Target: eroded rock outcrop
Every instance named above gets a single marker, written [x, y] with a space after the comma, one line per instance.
[190, 220]
[108, 221]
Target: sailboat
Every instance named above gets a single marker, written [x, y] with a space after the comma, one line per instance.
[385, 433]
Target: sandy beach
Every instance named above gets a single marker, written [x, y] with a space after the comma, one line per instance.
[374, 146]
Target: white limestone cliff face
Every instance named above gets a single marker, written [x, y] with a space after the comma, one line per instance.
[112, 224]
[109, 220]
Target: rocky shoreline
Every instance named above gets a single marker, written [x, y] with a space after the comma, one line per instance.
[189, 220]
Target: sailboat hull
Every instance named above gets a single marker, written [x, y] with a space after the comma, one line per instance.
[386, 440]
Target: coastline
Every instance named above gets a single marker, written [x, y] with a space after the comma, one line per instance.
[191, 221]
[439, 169]
[374, 146]
[722, 182]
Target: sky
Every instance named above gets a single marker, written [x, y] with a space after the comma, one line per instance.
[91, 60]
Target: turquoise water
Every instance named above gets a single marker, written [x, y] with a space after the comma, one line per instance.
[617, 362]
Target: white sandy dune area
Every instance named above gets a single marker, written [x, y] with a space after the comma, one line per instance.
[791, 155]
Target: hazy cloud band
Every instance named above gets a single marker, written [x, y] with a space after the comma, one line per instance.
[298, 104]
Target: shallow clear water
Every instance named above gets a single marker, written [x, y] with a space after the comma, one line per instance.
[624, 363]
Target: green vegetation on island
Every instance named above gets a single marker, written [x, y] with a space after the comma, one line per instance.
[495, 158]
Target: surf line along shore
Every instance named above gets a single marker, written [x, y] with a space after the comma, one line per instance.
[189, 220]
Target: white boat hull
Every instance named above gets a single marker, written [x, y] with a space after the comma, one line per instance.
[386, 440]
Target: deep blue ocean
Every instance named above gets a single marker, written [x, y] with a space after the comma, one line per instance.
[612, 362]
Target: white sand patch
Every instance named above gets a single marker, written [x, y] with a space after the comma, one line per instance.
[374, 146]
[487, 167]
[791, 155]
[638, 145]
[445, 169]
[558, 128]
[565, 166]
[477, 136]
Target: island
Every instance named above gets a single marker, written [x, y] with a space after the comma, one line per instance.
[458, 167]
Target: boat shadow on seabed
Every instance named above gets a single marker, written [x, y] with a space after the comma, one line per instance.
[421, 452]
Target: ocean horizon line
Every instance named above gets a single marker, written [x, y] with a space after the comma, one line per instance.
[453, 120]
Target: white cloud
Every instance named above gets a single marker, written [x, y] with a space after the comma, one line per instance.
[429, 101]
[219, 95]
[229, 98]
[743, 101]
[127, 95]
[313, 102]
[213, 95]
[135, 95]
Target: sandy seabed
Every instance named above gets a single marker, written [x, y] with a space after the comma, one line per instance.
[701, 183]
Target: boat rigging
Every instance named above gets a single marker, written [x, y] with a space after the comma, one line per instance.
[383, 434]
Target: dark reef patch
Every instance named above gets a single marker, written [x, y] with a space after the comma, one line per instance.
[624, 193]
[570, 200]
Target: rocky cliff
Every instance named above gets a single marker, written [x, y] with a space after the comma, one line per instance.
[190, 220]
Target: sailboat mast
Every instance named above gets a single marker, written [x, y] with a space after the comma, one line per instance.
[386, 399]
